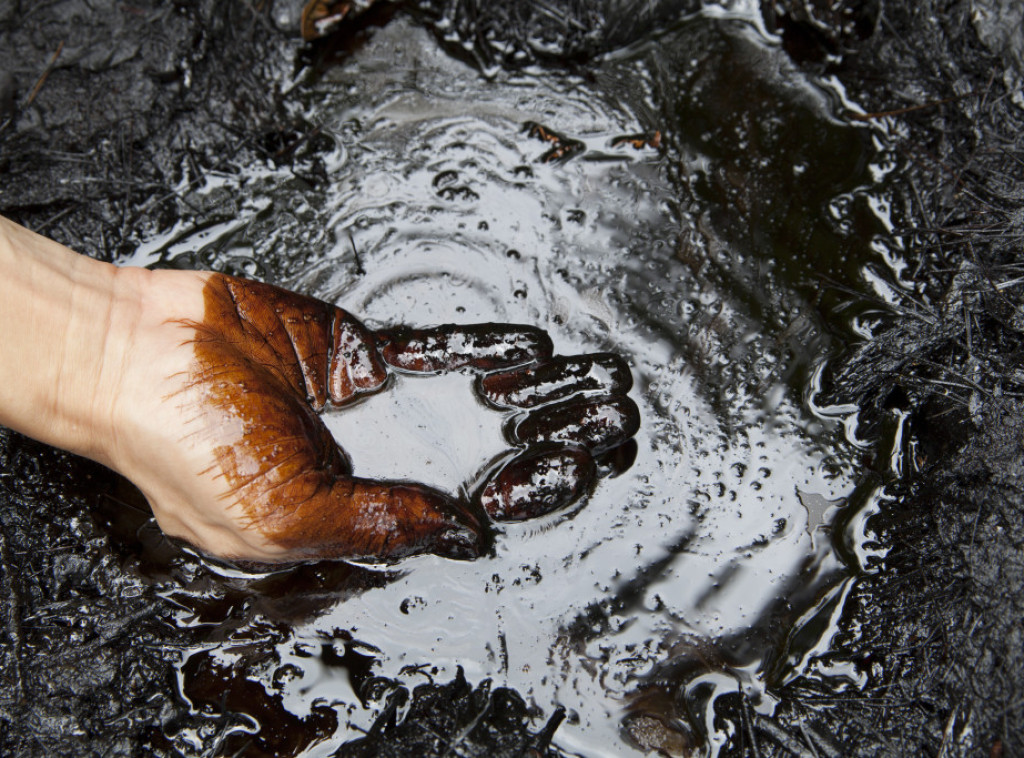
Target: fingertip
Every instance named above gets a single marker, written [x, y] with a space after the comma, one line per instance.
[356, 366]
[459, 542]
[430, 521]
[619, 460]
[538, 482]
[597, 424]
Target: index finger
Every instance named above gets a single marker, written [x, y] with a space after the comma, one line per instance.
[486, 347]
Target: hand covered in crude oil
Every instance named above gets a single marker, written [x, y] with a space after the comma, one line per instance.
[264, 363]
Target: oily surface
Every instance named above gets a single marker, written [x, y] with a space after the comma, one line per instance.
[88, 668]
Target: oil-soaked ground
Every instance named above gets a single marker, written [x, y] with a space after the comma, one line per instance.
[714, 205]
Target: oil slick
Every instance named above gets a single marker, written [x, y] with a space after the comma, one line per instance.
[666, 589]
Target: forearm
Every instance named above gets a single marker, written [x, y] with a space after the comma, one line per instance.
[64, 320]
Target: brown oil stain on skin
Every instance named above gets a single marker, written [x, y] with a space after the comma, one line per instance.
[266, 360]
[452, 346]
[597, 424]
[537, 482]
[557, 379]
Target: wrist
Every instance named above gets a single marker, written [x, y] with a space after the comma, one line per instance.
[107, 310]
[66, 322]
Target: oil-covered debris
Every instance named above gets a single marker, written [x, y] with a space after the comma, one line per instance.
[320, 18]
[928, 646]
[562, 33]
[647, 140]
[819, 32]
[240, 716]
[84, 664]
[456, 719]
[116, 113]
[562, 148]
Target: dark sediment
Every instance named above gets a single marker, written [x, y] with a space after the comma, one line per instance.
[100, 141]
[935, 628]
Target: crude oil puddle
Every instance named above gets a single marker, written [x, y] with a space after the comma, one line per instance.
[431, 430]
[698, 248]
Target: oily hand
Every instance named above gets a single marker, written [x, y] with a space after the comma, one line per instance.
[570, 409]
[266, 361]
[573, 416]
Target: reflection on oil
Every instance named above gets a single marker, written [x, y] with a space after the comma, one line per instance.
[699, 254]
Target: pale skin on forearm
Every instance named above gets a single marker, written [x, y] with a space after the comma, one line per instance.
[60, 316]
[189, 384]
[72, 368]
[98, 360]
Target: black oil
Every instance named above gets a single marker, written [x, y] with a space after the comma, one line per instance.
[692, 203]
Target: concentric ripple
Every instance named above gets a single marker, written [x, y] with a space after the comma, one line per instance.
[439, 209]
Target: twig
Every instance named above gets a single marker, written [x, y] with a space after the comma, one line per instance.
[807, 738]
[55, 218]
[909, 109]
[109, 635]
[920, 313]
[748, 727]
[291, 148]
[947, 733]
[543, 738]
[43, 77]
[360, 271]
[456, 741]
[35, 91]
[779, 735]
[977, 148]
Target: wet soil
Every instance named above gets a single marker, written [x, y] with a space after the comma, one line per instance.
[101, 145]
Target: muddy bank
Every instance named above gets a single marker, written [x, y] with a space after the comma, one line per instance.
[99, 143]
[111, 110]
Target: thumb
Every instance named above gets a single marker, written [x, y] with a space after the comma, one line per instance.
[373, 520]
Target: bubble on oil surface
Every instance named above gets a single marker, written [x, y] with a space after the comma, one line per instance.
[691, 260]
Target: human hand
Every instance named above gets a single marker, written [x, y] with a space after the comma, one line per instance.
[230, 451]
[203, 390]
[270, 359]
[572, 413]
